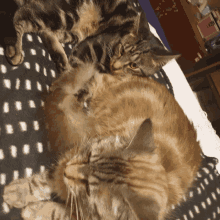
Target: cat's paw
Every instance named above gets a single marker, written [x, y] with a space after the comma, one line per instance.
[46, 211]
[16, 192]
[23, 191]
[13, 56]
[61, 62]
[75, 79]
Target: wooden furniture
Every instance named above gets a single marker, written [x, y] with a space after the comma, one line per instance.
[200, 72]
[208, 76]
[180, 27]
[214, 81]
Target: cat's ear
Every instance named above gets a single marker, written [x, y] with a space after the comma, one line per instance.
[136, 25]
[162, 57]
[143, 141]
[144, 28]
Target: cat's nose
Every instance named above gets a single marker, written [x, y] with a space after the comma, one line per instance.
[116, 65]
[75, 171]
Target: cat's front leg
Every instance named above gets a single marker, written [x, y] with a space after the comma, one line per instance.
[13, 51]
[56, 50]
[22, 23]
[23, 191]
[46, 210]
[75, 79]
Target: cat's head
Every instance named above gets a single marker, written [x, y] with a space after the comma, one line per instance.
[139, 59]
[140, 52]
[114, 178]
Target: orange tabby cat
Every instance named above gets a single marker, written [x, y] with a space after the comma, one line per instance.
[125, 150]
[134, 168]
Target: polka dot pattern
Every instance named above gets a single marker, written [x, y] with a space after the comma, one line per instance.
[201, 203]
[13, 151]
[15, 175]
[17, 86]
[24, 147]
[2, 154]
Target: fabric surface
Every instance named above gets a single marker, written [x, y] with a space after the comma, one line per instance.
[23, 143]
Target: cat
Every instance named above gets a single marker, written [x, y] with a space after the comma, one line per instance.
[122, 158]
[132, 55]
[62, 21]
[125, 150]
[116, 107]
[68, 21]
[113, 116]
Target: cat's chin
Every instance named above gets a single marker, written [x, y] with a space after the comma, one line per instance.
[118, 72]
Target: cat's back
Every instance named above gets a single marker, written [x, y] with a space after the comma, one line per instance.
[120, 106]
[134, 97]
[127, 101]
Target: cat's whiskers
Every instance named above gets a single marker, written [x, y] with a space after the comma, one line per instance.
[68, 196]
[73, 195]
[130, 142]
[71, 205]
[48, 166]
[77, 208]
[81, 213]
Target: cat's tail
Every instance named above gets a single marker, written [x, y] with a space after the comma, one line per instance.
[66, 122]
[75, 79]
[65, 114]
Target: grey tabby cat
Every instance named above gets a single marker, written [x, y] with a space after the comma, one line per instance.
[60, 21]
[131, 55]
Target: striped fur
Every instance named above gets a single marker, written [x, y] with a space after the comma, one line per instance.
[134, 168]
[32, 195]
[137, 53]
[132, 55]
[68, 21]
[139, 58]
[112, 162]
[86, 24]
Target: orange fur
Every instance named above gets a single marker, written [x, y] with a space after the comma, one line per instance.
[117, 108]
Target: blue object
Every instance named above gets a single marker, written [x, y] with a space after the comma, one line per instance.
[153, 20]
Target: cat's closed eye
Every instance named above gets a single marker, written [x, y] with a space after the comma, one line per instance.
[133, 65]
[93, 181]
